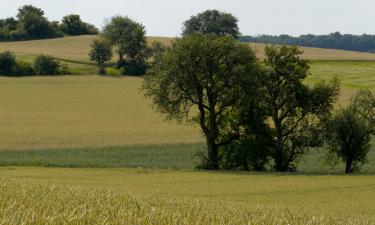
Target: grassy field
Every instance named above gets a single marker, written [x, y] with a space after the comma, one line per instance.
[82, 111]
[142, 196]
[101, 126]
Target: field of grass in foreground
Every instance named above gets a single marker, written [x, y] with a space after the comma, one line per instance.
[143, 196]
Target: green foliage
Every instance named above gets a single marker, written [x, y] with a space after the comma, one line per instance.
[129, 38]
[212, 22]
[294, 108]
[7, 63]
[9, 66]
[47, 65]
[202, 72]
[101, 52]
[73, 25]
[23, 68]
[349, 131]
[31, 24]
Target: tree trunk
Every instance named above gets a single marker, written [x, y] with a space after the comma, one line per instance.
[120, 62]
[349, 165]
[101, 70]
[280, 164]
[212, 150]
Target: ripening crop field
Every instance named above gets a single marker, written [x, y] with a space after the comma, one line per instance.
[90, 149]
[141, 196]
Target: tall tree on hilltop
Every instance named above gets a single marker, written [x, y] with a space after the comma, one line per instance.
[212, 22]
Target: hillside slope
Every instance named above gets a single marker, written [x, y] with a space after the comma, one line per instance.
[77, 48]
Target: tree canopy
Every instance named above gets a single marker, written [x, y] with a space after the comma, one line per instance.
[30, 23]
[199, 80]
[129, 39]
[294, 108]
[349, 131]
[212, 22]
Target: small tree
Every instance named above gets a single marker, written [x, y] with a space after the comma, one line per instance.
[295, 109]
[7, 63]
[47, 65]
[349, 131]
[101, 52]
[129, 38]
[212, 22]
[199, 79]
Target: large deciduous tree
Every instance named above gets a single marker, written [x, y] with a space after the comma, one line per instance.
[349, 131]
[199, 79]
[295, 109]
[212, 22]
[129, 38]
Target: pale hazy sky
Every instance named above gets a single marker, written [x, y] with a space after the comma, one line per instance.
[165, 17]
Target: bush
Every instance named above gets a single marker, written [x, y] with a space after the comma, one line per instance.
[133, 69]
[47, 65]
[7, 63]
[23, 68]
[112, 71]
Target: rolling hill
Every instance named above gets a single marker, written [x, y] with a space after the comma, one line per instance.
[77, 48]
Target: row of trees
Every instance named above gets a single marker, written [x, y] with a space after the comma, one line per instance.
[30, 23]
[364, 43]
[128, 39]
[42, 65]
[254, 113]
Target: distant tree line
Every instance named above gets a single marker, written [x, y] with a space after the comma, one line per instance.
[30, 23]
[254, 115]
[363, 43]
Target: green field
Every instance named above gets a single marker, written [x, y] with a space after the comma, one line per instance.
[116, 161]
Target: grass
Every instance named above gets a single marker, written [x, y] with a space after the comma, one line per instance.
[173, 156]
[143, 196]
[82, 111]
[167, 156]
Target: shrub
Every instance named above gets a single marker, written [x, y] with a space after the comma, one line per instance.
[7, 63]
[133, 69]
[47, 65]
[112, 71]
[23, 68]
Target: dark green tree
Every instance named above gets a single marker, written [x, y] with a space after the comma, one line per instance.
[212, 22]
[47, 65]
[7, 63]
[33, 24]
[295, 109]
[101, 52]
[73, 25]
[199, 79]
[129, 39]
[349, 131]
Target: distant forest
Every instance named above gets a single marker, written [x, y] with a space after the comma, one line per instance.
[363, 43]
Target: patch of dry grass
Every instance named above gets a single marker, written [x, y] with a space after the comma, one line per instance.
[77, 48]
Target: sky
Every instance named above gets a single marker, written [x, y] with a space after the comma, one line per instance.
[165, 17]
